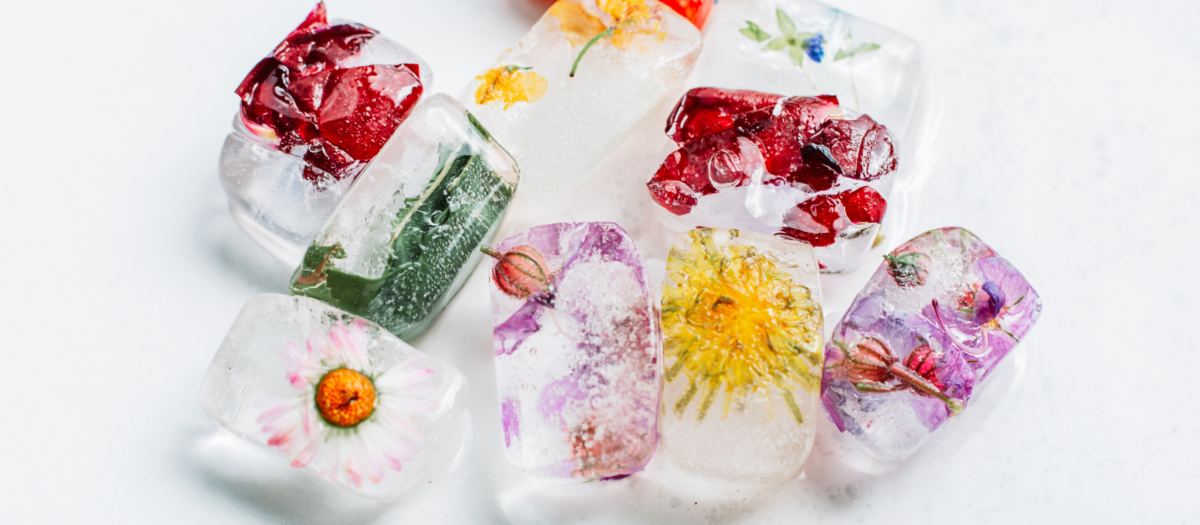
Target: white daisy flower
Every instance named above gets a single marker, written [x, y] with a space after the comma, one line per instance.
[351, 422]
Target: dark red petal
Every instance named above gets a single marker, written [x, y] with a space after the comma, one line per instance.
[710, 110]
[363, 106]
[863, 147]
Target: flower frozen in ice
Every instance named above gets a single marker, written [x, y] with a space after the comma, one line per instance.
[352, 421]
[798, 44]
[509, 85]
[734, 324]
[622, 21]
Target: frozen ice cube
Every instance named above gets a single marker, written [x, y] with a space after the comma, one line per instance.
[577, 348]
[937, 317]
[628, 63]
[313, 114]
[742, 324]
[336, 394]
[407, 235]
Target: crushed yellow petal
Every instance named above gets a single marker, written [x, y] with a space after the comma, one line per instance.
[510, 84]
[736, 324]
[575, 23]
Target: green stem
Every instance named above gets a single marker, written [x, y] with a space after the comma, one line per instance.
[493, 253]
[603, 34]
[920, 383]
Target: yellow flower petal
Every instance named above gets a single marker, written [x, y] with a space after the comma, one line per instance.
[576, 24]
[735, 324]
[626, 11]
[510, 85]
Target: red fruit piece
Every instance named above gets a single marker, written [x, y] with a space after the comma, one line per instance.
[864, 205]
[862, 147]
[336, 118]
[816, 221]
[703, 111]
[923, 360]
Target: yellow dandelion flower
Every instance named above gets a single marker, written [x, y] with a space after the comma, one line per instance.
[510, 84]
[734, 323]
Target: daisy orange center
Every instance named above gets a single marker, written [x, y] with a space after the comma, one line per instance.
[345, 397]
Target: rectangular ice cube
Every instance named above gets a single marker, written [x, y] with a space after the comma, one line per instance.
[937, 317]
[335, 394]
[313, 114]
[580, 81]
[577, 348]
[742, 323]
[799, 48]
[407, 235]
[794, 166]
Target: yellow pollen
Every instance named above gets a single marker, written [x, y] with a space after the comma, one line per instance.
[345, 397]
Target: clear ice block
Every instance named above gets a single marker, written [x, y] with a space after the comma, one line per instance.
[872, 70]
[797, 167]
[742, 323]
[407, 235]
[577, 348]
[313, 114]
[629, 58]
[937, 317]
[335, 394]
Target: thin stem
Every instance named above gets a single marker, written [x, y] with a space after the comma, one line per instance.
[493, 253]
[920, 383]
[603, 34]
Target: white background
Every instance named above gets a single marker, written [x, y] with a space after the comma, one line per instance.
[1068, 143]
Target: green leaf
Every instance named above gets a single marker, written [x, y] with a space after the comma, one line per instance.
[777, 44]
[786, 26]
[797, 55]
[755, 33]
[862, 48]
[434, 245]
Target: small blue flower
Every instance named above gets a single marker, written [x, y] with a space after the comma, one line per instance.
[812, 47]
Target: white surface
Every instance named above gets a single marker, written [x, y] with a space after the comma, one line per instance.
[1067, 144]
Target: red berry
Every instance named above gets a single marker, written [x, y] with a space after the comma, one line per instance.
[863, 205]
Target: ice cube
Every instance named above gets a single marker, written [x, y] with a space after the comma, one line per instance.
[793, 166]
[579, 83]
[313, 114]
[577, 347]
[742, 324]
[872, 70]
[798, 48]
[407, 235]
[937, 317]
[336, 394]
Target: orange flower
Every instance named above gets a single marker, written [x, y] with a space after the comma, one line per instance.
[627, 20]
[510, 84]
[575, 23]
